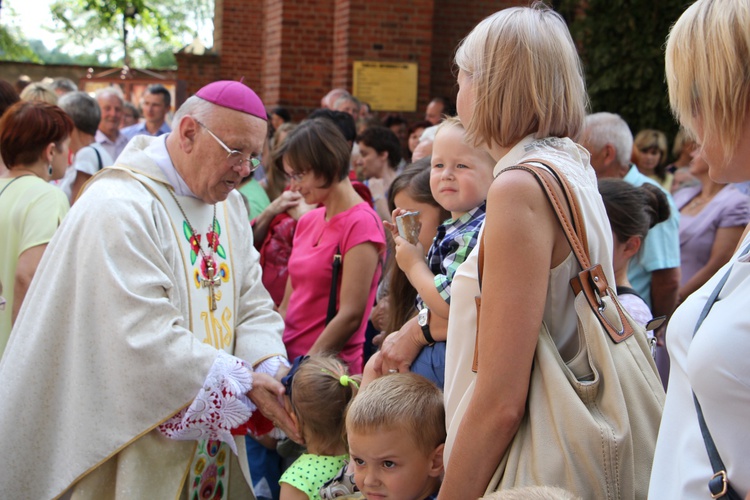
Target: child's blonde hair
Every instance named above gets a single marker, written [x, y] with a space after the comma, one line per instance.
[321, 391]
[455, 122]
[401, 401]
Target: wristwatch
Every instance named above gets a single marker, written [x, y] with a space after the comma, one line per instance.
[423, 319]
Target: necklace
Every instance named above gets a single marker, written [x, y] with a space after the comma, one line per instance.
[701, 200]
[211, 281]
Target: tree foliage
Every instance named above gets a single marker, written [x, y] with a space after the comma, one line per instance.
[622, 46]
[13, 48]
[154, 28]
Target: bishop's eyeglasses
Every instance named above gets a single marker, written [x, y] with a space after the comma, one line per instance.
[234, 157]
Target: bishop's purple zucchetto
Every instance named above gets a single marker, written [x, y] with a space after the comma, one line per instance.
[234, 95]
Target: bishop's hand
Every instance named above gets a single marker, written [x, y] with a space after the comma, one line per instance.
[268, 395]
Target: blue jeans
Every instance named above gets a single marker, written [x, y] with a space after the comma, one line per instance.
[431, 363]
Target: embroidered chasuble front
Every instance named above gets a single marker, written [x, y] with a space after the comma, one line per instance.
[201, 233]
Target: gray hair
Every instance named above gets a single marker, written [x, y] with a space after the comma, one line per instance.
[64, 84]
[609, 128]
[196, 107]
[83, 110]
[109, 91]
[347, 98]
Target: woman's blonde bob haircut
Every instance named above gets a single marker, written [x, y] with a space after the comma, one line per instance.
[708, 70]
[526, 76]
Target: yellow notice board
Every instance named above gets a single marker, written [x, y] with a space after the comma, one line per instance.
[386, 86]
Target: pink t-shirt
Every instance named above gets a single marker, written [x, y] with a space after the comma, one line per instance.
[311, 268]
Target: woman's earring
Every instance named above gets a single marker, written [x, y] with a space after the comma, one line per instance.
[49, 169]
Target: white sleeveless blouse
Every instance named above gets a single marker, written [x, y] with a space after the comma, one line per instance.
[572, 161]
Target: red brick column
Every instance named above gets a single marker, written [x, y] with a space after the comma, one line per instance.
[238, 36]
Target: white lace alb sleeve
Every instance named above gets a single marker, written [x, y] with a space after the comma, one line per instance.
[271, 365]
[220, 406]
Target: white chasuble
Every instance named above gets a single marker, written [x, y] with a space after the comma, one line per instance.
[117, 335]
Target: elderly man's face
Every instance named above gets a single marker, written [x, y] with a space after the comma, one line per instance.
[111, 107]
[209, 174]
[434, 113]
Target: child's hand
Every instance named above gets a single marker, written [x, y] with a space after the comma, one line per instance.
[391, 226]
[408, 255]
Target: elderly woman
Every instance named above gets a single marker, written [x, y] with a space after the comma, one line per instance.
[708, 338]
[315, 157]
[34, 139]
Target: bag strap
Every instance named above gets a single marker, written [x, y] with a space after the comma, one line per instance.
[592, 280]
[718, 485]
[565, 205]
[11, 182]
[98, 158]
[334, 285]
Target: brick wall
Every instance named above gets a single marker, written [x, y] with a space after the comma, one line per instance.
[306, 51]
[454, 19]
[388, 30]
[239, 41]
[294, 51]
[196, 71]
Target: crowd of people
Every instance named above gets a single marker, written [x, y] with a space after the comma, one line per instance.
[241, 303]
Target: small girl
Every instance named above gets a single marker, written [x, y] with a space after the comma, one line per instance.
[632, 211]
[318, 390]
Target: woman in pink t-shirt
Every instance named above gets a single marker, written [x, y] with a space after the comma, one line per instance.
[316, 159]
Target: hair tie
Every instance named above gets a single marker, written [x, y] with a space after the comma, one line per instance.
[345, 380]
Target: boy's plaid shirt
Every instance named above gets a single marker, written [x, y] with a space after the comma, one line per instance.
[455, 240]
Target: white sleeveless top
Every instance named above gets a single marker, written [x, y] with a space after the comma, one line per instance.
[572, 161]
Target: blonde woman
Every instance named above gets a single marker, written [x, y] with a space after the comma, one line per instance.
[708, 73]
[523, 56]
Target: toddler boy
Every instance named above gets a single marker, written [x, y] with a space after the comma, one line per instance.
[396, 433]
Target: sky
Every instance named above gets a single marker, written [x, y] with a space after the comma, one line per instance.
[31, 16]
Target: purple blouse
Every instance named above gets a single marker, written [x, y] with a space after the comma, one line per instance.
[729, 208]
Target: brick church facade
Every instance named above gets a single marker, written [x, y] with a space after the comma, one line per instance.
[294, 51]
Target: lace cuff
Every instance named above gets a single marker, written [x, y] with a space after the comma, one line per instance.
[271, 365]
[220, 406]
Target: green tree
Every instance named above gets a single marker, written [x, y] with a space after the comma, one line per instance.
[12, 48]
[622, 46]
[152, 27]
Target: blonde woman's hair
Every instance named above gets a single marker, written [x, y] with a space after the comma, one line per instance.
[404, 401]
[321, 391]
[526, 76]
[708, 70]
[40, 92]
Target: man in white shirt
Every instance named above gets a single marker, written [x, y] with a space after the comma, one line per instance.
[109, 135]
